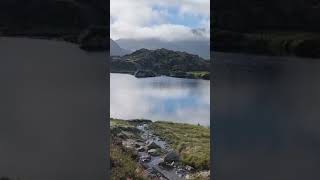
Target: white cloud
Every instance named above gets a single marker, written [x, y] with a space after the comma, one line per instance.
[142, 19]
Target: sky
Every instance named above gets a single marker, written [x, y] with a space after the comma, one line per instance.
[167, 20]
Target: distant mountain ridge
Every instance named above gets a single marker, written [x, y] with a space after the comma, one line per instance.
[198, 47]
[116, 50]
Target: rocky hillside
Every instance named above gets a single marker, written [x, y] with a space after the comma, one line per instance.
[161, 62]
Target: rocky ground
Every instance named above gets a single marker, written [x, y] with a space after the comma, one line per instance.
[139, 152]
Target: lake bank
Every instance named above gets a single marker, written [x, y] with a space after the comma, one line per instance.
[204, 75]
[151, 154]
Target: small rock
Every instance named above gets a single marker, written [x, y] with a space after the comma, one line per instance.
[152, 145]
[181, 172]
[205, 174]
[154, 152]
[165, 166]
[146, 158]
[141, 149]
[189, 168]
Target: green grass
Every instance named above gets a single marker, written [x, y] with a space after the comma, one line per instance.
[199, 74]
[119, 123]
[191, 141]
[123, 160]
[124, 165]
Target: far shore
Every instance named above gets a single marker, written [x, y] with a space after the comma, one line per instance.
[157, 75]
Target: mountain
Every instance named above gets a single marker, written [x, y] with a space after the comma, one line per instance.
[163, 62]
[116, 50]
[198, 47]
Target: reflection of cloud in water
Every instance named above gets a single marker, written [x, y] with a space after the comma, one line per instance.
[160, 98]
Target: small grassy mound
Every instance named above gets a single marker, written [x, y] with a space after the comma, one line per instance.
[191, 141]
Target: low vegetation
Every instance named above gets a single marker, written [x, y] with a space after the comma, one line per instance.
[191, 141]
[123, 160]
[124, 165]
[200, 74]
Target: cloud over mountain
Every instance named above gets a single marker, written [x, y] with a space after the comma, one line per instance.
[166, 20]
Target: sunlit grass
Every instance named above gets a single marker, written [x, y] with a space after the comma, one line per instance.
[191, 141]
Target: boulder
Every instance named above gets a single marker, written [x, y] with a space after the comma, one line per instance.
[171, 156]
[152, 145]
[154, 152]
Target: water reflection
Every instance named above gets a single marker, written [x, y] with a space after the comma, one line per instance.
[160, 98]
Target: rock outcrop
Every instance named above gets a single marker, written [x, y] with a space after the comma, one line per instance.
[149, 63]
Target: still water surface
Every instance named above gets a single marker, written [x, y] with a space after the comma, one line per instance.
[160, 98]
